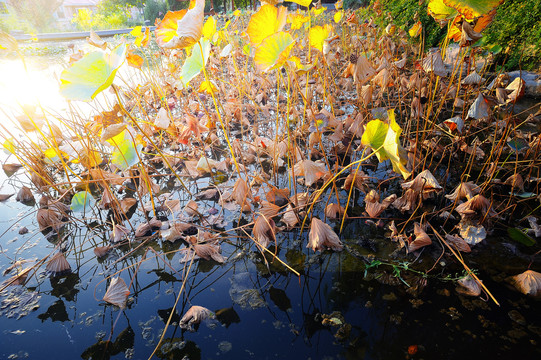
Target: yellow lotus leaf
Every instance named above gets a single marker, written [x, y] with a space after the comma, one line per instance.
[296, 20]
[440, 12]
[455, 33]
[273, 51]
[416, 29]
[236, 12]
[304, 3]
[319, 11]
[338, 16]
[209, 29]
[134, 60]
[472, 9]
[208, 87]
[318, 34]
[301, 68]
[266, 21]
[141, 38]
[182, 28]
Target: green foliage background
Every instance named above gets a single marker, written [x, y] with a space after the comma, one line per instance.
[516, 27]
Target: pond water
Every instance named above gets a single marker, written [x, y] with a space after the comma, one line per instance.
[337, 308]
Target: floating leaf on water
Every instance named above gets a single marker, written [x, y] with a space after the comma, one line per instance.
[117, 293]
[194, 316]
[25, 195]
[520, 236]
[243, 293]
[528, 283]
[86, 78]
[101, 251]
[322, 237]
[209, 251]
[82, 202]
[264, 231]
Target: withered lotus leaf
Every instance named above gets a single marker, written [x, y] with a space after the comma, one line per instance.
[458, 243]
[96, 40]
[424, 183]
[373, 207]
[421, 238]
[119, 233]
[144, 229]
[58, 264]
[180, 29]
[469, 286]
[127, 204]
[476, 206]
[101, 251]
[472, 79]
[25, 195]
[191, 208]
[434, 63]
[334, 211]
[209, 251]
[312, 171]
[4, 197]
[264, 231]
[528, 283]
[49, 219]
[479, 109]
[322, 237]
[194, 316]
[290, 217]
[268, 209]
[117, 293]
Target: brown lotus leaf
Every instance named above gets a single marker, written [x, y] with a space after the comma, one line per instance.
[101, 251]
[209, 251]
[400, 63]
[96, 40]
[421, 238]
[194, 316]
[269, 210]
[107, 199]
[147, 186]
[191, 208]
[367, 94]
[434, 63]
[535, 227]
[472, 234]
[479, 109]
[501, 96]
[528, 283]
[312, 171]
[162, 120]
[465, 190]
[290, 217]
[264, 231]
[107, 177]
[424, 183]
[4, 197]
[468, 36]
[118, 233]
[469, 286]
[517, 88]
[334, 211]
[300, 200]
[383, 79]
[322, 237]
[416, 108]
[357, 179]
[241, 191]
[472, 79]
[110, 132]
[373, 207]
[476, 206]
[209, 194]
[408, 201]
[11, 169]
[515, 181]
[458, 102]
[455, 123]
[25, 195]
[397, 236]
[58, 264]
[363, 71]
[144, 229]
[338, 134]
[117, 293]
[49, 219]
[458, 243]
[350, 70]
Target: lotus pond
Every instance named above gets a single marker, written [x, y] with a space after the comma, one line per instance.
[312, 188]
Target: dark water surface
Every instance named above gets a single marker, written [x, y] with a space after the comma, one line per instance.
[336, 308]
